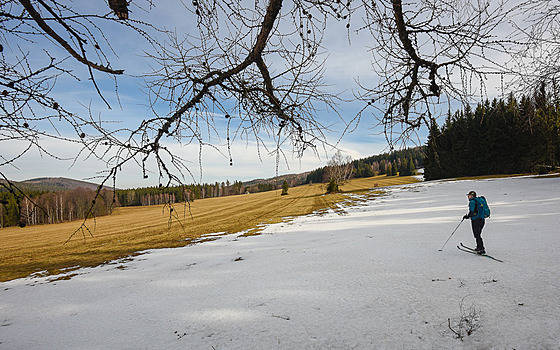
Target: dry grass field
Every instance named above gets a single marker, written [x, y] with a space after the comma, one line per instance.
[42, 249]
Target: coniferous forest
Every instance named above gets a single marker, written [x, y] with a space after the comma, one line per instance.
[499, 137]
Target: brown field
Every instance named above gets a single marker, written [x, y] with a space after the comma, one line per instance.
[42, 249]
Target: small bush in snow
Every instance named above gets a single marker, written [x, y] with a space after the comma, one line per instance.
[468, 322]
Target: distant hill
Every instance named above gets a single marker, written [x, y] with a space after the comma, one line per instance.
[292, 179]
[54, 184]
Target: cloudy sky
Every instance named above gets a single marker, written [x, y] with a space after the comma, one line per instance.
[346, 63]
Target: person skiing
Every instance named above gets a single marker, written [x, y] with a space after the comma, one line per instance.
[477, 221]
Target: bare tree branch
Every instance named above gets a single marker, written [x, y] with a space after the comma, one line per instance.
[427, 51]
[48, 30]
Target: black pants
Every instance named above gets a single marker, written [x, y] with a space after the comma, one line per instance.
[477, 226]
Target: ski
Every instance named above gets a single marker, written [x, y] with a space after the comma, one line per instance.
[469, 250]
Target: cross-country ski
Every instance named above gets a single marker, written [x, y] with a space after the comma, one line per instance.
[466, 249]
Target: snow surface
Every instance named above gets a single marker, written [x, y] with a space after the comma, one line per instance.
[371, 278]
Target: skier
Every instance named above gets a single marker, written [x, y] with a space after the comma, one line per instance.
[477, 221]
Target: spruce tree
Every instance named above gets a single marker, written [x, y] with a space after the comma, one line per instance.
[410, 167]
[285, 188]
[394, 168]
[432, 166]
[382, 167]
[389, 170]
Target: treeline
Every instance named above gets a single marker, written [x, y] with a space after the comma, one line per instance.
[41, 207]
[403, 162]
[498, 137]
[176, 194]
[44, 207]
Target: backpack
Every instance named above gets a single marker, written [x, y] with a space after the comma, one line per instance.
[482, 207]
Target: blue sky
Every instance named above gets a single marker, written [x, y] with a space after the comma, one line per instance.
[345, 64]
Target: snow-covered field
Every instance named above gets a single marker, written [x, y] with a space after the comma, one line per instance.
[372, 278]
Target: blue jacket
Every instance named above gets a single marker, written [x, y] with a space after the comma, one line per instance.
[474, 213]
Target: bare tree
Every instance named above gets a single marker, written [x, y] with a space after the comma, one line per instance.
[339, 171]
[253, 70]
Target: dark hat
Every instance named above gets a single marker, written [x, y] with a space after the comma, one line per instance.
[471, 193]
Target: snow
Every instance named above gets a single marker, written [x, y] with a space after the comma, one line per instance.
[368, 277]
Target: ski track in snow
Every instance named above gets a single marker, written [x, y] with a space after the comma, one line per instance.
[372, 278]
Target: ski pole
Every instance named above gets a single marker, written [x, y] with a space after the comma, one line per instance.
[452, 234]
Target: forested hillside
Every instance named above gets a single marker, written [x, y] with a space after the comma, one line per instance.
[51, 184]
[498, 137]
[403, 162]
[43, 207]
[50, 200]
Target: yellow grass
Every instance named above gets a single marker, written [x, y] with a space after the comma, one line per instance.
[41, 249]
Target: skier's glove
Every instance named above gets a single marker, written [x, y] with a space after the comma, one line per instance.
[466, 216]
